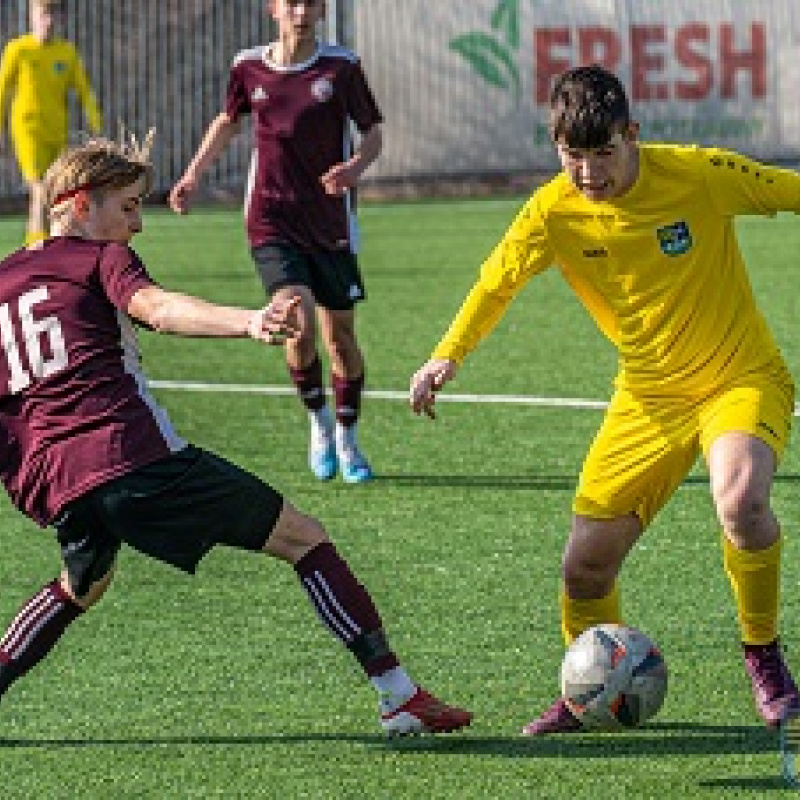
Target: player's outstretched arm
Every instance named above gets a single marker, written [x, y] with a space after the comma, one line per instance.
[217, 137]
[428, 380]
[186, 315]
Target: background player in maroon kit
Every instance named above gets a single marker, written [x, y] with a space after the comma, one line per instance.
[303, 96]
[86, 449]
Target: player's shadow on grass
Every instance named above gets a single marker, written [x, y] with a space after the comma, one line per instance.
[660, 739]
[532, 481]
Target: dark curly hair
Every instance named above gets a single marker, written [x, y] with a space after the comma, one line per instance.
[587, 106]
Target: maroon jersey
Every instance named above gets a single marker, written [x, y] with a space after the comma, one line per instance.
[75, 410]
[302, 117]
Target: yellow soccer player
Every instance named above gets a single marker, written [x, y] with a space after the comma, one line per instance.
[644, 235]
[37, 71]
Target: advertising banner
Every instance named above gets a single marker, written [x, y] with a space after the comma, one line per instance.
[464, 85]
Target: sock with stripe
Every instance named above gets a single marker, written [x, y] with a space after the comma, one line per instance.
[348, 393]
[34, 631]
[308, 382]
[347, 611]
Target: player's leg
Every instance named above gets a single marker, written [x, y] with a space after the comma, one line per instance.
[347, 377]
[744, 433]
[593, 556]
[34, 157]
[284, 272]
[338, 287]
[211, 502]
[89, 565]
[37, 215]
[635, 464]
[348, 612]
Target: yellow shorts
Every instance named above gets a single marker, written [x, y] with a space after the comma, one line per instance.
[646, 446]
[33, 155]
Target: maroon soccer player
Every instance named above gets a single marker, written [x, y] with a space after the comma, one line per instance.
[87, 450]
[304, 97]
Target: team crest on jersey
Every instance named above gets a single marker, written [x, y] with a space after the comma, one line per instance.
[322, 89]
[674, 239]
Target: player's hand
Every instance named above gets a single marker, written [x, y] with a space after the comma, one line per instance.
[181, 194]
[339, 178]
[428, 380]
[276, 322]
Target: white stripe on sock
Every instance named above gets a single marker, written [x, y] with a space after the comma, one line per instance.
[35, 608]
[17, 652]
[325, 613]
[345, 617]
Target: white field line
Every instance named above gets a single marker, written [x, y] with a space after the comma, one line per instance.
[388, 394]
[385, 394]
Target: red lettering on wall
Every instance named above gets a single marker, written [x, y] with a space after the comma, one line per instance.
[599, 46]
[753, 61]
[693, 58]
[644, 61]
[548, 65]
[705, 59]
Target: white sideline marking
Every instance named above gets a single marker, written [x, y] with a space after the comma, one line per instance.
[386, 394]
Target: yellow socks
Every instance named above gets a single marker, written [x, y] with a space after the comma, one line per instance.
[31, 237]
[755, 580]
[580, 615]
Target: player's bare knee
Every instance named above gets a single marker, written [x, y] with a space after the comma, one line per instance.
[294, 535]
[586, 578]
[742, 509]
[95, 591]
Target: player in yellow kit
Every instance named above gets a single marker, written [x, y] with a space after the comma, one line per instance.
[644, 235]
[37, 71]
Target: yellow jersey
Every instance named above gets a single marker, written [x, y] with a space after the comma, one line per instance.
[658, 268]
[35, 78]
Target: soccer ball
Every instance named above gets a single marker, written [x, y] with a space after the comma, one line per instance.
[613, 677]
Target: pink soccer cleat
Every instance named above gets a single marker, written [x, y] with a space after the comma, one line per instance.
[557, 719]
[774, 690]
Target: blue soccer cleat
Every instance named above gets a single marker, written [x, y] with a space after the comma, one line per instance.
[355, 468]
[322, 445]
[353, 465]
[322, 460]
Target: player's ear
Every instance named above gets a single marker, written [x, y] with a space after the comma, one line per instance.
[80, 204]
[631, 133]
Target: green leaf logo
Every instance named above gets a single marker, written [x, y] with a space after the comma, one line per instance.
[494, 60]
[505, 18]
[489, 59]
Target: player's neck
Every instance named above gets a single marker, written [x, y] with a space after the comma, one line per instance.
[289, 50]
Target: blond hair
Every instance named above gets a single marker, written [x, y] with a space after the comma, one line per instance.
[97, 165]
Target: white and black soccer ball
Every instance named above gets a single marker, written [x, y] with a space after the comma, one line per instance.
[613, 677]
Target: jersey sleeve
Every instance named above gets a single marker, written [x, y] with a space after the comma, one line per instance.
[237, 99]
[122, 274]
[80, 82]
[524, 251]
[739, 185]
[361, 105]
[8, 78]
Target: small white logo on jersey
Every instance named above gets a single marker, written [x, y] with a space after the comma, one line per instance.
[258, 95]
[355, 292]
[322, 89]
